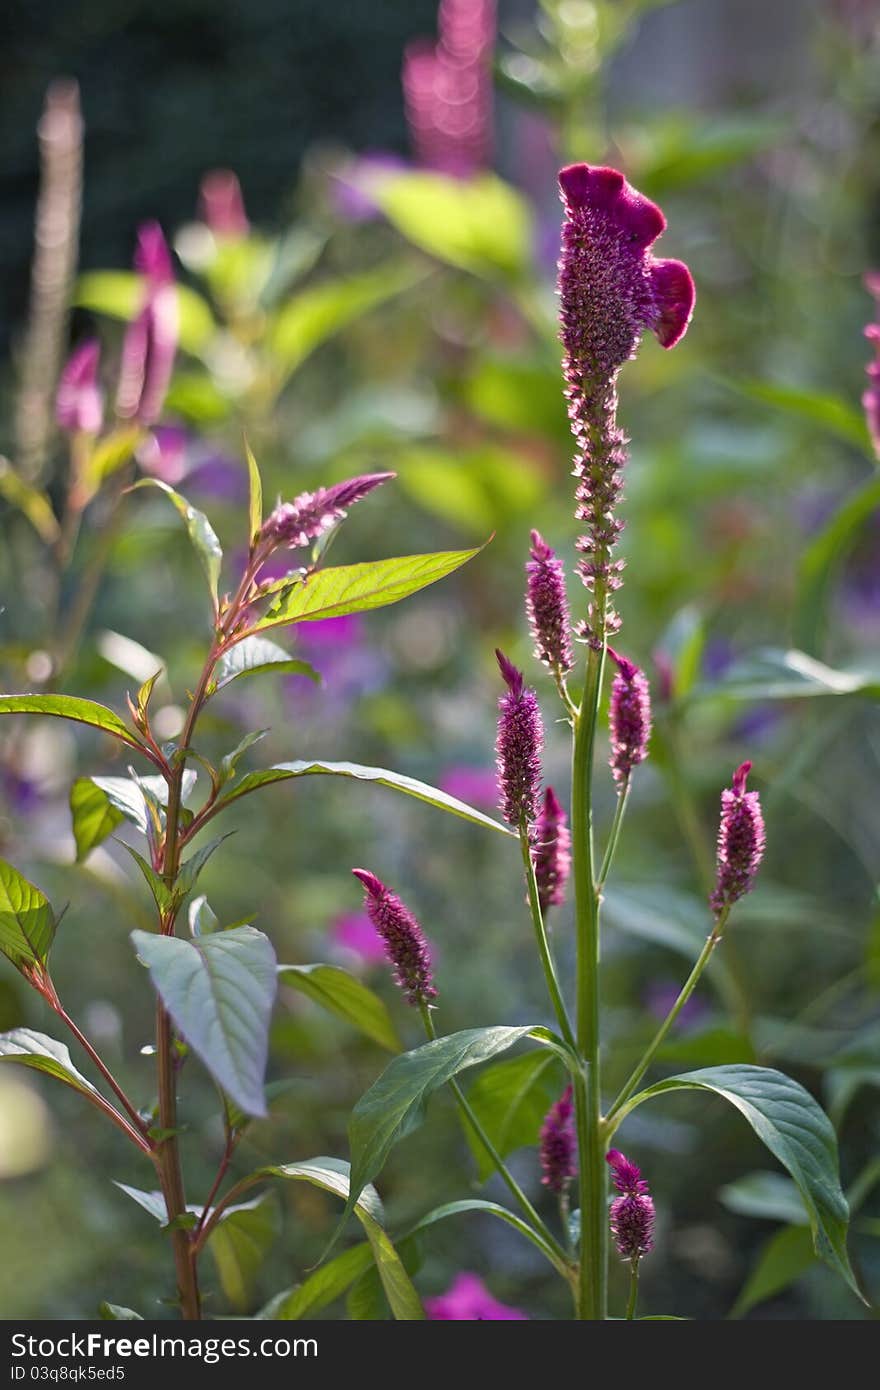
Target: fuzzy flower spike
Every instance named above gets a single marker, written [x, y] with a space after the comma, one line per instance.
[547, 607]
[741, 841]
[296, 524]
[612, 289]
[629, 718]
[632, 1212]
[518, 747]
[558, 1145]
[871, 397]
[403, 938]
[551, 851]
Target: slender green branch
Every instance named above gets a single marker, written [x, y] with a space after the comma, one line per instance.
[647, 1058]
[541, 937]
[558, 1253]
[613, 835]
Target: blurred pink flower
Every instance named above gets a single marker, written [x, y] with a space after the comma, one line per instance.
[475, 785]
[447, 90]
[222, 207]
[354, 932]
[79, 404]
[468, 1300]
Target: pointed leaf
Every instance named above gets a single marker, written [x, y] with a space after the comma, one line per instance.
[114, 1312]
[152, 1202]
[255, 507]
[27, 922]
[230, 762]
[396, 781]
[346, 996]
[331, 593]
[240, 1243]
[782, 1261]
[219, 991]
[259, 654]
[71, 707]
[31, 1049]
[327, 1283]
[200, 530]
[162, 895]
[475, 1204]
[202, 921]
[94, 818]
[131, 797]
[797, 1132]
[189, 872]
[510, 1099]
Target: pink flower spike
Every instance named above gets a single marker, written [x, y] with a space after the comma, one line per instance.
[222, 207]
[405, 944]
[741, 841]
[79, 402]
[296, 524]
[551, 852]
[518, 747]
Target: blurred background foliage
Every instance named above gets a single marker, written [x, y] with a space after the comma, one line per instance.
[414, 329]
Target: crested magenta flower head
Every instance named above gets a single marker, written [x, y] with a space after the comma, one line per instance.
[632, 1212]
[558, 1145]
[871, 397]
[547, 607]
[551, 851]
[221, 205]
[612, 289]
[404, 940]
[741, 840]
[629, 718]
[518, 747]
[79, 402]
[298, 523]
[150, 342]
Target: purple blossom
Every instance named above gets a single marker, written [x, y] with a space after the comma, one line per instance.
[468, 1300]
[150, 342]
[79, 402]
[355, 933]
[551, 852]
[871, 397]
[221, 205]
[296, 524]
[611, 290]
[547, 607]
[558, 1145]
[632, 1213]
[405, 944]
[741, 840]
[518, 747]
[447, 90]
[629, 718]
[475, 785]
[165, 453]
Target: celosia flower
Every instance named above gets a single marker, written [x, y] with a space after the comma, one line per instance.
[518, 747]
[629, 718]
[221, 205]
[558, 1146]
[447, 90]
[871, 397]
[741, 840]
[468, 1300]
[150, 341]
[551, 851]
[612, 289]
[79, 403]
[405, 944]
[298, 523]
[632, 1213]
[547, 607]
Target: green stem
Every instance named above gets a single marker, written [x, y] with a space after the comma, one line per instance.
[687, 990]
[588, 1111]
[633, 1289]
[559, 1256]
[613, 836]
[541, 937]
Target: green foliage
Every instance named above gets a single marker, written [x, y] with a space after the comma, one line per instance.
[510, 1099]
[256, 654]
[71, 707]
[27, 922]
[31, 1049]
[346, 996]
[481, 225]
[200, 531]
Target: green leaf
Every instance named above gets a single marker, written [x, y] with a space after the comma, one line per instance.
[114, 1312]
[396, 781]
[94, 818]
[482, 225]
[31, 1049]
[255, 504]
[773, 674]
[332, 1174]
[822, 559]
[768, 1196]
[331, 593]
[219, 991]
[786, 1256]
[510, 1099]
[200, 531]
[202, 921]
[27, 922]
[33, 504]
[797, 1132]
[346, 996]
[316, 314]
[830, 413]
[240, 1243]
[475, 1204]
[162, 895]
[71, 707]
[120, 294]
[255, 654]
[189, 872]
[134, 798]
[395, 1104]
[152, 1202]
[230, 762]
[109, 455]
[327, 1283]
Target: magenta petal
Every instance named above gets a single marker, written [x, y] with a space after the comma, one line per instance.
[152, 257]
[675, 293]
